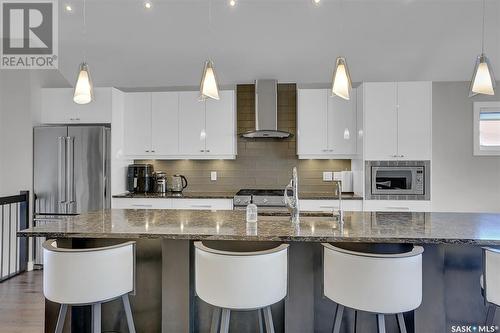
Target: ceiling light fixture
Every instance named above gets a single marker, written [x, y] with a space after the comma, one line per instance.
[84, 90]
[209, 88]
[148, 4]
[316, 2]
[483, 80]
[341, 79]
[68, 8]
[232, 3]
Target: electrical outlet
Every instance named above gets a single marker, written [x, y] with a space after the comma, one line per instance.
[213, 175]
[327, 176]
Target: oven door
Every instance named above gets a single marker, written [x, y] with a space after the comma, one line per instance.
[395, 181]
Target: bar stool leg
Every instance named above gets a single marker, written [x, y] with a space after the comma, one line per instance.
[214, 328]
[226, 316]
[381, 323]
[96, 318]
[261, 321]
[128, 313]
[355, 321]
[338, 319]
[268, 319]
[490, 314]
[61, 317]
[401, 323]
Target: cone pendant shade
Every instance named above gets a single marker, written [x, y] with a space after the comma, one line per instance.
[209, 87]
[84, 90]
[341, 80]
[483, 80]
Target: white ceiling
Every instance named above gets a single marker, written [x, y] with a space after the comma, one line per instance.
[291, 40]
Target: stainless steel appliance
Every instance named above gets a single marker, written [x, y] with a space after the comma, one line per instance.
[71, 172]
[267, 199]
[398, 180]
[140, 178]
[178, 183]
[161, 182]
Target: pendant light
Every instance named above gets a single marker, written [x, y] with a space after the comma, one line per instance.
[341, 79]
[483, 80]
[84, 90]
[209, 88]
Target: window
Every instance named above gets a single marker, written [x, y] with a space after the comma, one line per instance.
[486, 128]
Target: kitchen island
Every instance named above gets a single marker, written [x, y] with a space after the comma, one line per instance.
[165, 299]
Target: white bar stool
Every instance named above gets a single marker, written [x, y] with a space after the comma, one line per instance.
[241, 281]
[378, 283]
[89, 277]
[490, 282]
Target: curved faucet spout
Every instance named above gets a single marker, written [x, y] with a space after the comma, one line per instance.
[293, 203]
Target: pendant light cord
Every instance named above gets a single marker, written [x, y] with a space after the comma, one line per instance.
[209, 28]
[482, 42]
[84, 30]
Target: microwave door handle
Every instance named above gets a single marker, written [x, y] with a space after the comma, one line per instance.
[61, 170]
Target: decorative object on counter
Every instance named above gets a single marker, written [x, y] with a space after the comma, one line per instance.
[161, 181]
[97, 276]
[241, 281]
[209, 88]
[251, 212]
[178, 183]
[140, 178]
[293, 203]
[483, 80]
[84, 90]
[383, 284]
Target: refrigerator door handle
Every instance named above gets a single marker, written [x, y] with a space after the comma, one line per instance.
[61, 169]
[70, 170]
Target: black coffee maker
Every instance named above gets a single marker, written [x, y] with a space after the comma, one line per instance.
[140, 178]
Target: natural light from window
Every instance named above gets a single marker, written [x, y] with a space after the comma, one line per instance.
[489, 129]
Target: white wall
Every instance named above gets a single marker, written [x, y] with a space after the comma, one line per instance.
[460, 181]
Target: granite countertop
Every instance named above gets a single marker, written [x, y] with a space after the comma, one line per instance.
[230, 195]
[367, 227]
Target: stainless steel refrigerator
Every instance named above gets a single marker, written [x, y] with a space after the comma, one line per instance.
[71, 172]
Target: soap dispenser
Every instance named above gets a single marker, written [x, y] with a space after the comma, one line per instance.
[251, 212]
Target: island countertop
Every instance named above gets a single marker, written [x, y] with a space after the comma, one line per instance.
[369, 227]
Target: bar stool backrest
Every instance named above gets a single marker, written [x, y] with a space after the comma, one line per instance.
[491, 275]
[84, 276]
[379, 283]
[241, 280]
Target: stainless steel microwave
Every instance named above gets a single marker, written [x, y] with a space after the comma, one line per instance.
[398, 180]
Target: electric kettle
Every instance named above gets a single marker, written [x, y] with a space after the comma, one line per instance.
[178, 183]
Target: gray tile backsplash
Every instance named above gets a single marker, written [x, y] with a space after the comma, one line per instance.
[260, 163]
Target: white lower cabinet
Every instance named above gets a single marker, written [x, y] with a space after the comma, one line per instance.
[329, 205]
[162, 203]
[397, 205]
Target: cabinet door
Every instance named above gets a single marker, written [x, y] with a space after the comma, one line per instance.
[342, 125]
[99, 110]
[137, 124]
[415, 118]
[191, 124]
[312, 122]
[380, 126]
[220, 124]
[165, 123]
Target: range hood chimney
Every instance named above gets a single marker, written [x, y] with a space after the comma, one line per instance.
[266, 112]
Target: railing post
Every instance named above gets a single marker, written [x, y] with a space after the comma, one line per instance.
[24, 217]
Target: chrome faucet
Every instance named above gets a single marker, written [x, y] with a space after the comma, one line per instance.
[340, 213]
[293, 203]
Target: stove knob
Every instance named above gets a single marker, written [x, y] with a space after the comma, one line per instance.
[237, 200]
[265, 200]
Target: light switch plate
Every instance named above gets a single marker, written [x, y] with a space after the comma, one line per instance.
[213, 175]
[327, 176]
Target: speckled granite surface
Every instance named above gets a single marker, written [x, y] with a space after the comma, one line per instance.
[400, 227]
[230, 195]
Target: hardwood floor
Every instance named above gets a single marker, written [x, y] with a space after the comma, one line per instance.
[22, 304]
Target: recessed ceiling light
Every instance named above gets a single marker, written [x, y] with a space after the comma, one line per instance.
[232, 3]
[148, 4]
[68, 8]
[316, 2]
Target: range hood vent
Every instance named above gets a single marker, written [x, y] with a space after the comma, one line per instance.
[266, 112]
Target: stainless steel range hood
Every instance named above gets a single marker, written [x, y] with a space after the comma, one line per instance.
[266, 111]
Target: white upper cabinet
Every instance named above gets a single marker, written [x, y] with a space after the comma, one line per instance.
[137, 124]
[326, 125]
[191, 124]
[397, 120]
[220, 123]
[58, 107]
[165, 123]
